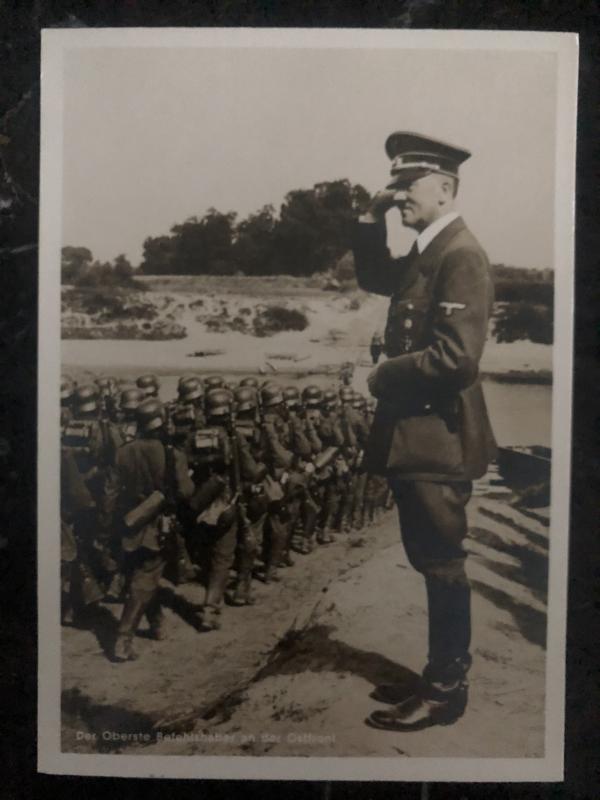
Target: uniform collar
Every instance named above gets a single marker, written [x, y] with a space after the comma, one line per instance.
[431, 231]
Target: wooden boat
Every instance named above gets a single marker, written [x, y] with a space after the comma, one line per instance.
[521, 467]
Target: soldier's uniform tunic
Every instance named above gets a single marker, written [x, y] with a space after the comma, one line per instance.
[143, 468]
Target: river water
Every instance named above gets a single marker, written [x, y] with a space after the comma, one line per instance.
[521, 414]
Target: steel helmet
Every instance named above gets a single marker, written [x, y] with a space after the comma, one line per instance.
[103, 384]
[150, 414]
[329, 399]
[184, 378]
[249, 381]
[86, 398]
[291, 395]
[189, 389]
[312, 396]
[271, 395]
[346, 394]
[214, 382]
[148, 384]
[359, 401]
[131, 399]
[67, 389]
[245, 398]
[218, 403]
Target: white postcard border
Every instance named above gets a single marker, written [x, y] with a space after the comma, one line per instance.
[50, 758]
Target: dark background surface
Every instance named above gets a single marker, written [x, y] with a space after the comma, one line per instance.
[20, 25]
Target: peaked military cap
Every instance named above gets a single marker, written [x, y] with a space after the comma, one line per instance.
[414, 155]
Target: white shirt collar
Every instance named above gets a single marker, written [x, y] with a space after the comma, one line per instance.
[431, 231]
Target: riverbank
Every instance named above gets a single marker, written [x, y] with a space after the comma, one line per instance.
[215, 329]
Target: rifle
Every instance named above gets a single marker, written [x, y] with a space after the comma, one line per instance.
[236, 480]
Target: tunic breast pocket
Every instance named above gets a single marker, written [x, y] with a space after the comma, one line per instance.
[405, 325]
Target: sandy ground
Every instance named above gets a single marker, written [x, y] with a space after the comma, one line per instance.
[292, 675]
[337, 332]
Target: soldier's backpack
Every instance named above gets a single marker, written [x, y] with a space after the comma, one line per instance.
[249, 430]
[183, 417]
[129, 431]
[81, 437]
[78, 437]
[210, 449]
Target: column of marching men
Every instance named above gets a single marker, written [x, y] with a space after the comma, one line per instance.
[218, 486]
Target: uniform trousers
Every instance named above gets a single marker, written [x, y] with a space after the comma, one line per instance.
[144, 569]
[433, 525]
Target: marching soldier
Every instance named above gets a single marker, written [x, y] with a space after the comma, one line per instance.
[356, 434]
[332, 436]
[431, 434]
[326, 440]
[254, 502]
[153, 481]
[67, 394]
[279, 460]
[303, 509]
[190, 396]
[85, 469]
[221, 461]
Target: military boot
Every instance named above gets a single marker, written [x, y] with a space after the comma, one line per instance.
[211, 617]
[156, 620]
[90, 590]
[325, 536]
[67, 615]
[133, 610]
[358, 520]
[185, 570]
[116, 587]
[243, 589]
[277, 544]
[217, 583]
[243, 592]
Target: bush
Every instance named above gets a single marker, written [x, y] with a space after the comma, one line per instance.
[537, 293]
[274, 319]
[107, 304]
[518, 321]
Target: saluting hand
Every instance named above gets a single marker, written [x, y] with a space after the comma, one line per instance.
[381, 204]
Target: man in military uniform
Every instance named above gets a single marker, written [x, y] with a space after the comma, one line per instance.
[85, 470]
[254, 504]
[356, 434]
[279, 459]
[222, 462]
[332, 435]
[153, 480]
[67, 394]
[431, 434]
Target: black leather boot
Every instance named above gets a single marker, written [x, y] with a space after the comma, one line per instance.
[438, 706]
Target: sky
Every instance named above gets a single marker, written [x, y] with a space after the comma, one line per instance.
[153, 136]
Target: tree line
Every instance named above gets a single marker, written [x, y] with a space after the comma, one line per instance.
[311, 232]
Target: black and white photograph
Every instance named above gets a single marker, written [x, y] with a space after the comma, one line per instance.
[305, 363]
